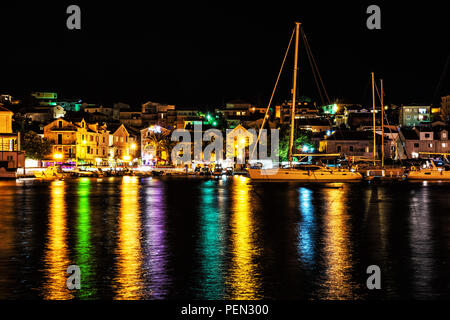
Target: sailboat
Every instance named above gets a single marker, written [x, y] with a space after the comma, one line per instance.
[309, 173]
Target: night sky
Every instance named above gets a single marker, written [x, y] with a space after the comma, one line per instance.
[202, 55]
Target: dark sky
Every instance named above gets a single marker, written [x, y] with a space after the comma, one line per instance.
[199, 54]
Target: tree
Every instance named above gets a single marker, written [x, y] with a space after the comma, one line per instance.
[301, 138]
[36, 147]
[161, 143]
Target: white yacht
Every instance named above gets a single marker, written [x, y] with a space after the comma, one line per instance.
[309, 173]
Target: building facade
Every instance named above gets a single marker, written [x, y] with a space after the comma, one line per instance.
[78, 142]
[413, 116]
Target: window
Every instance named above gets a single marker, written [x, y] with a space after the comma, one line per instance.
[59, 124]
[339, 148]
[427, 135]
[444, 145]
[416, 145]
[430, 145]
[351, 148]
[59, 138]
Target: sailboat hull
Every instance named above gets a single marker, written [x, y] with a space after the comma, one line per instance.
[323, 175]
[429, 174]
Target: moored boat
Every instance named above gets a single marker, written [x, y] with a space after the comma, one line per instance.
[49, 173]
[430, 173]
[310, 173]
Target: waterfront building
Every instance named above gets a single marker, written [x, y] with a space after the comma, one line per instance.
[163, 115]
[315, 125]
[78, 142]
[432, 140]
[123, 145]
[45, 98]
[45, 114]
[131, 118]
[92, 109]
[445, 106]
[304, 109]
[240, 112]
[11, 156]
[415, 115]
[356, 144]
[188, 118]
[238, 142]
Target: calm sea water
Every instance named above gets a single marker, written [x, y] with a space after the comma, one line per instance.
[144, 238]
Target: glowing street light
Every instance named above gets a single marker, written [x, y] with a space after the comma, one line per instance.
[57, 156]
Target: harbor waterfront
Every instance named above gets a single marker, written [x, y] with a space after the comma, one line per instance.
[223, 238]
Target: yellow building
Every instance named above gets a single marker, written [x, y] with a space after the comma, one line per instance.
[122, 145]
[11, 157]
[78, 142]
[5, 120]
[238, 144]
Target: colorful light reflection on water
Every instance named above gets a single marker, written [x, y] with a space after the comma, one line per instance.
[140, 238]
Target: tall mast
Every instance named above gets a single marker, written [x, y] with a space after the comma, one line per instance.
[374, 121]
[294, 91]
[382, 125]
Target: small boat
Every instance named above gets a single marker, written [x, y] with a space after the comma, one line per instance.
[430, 173]
[49, 173]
